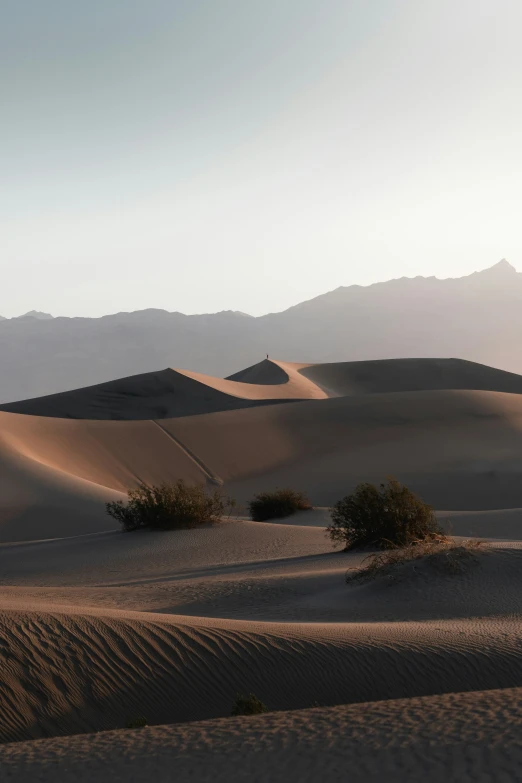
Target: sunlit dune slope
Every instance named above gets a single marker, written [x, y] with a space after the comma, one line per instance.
[339, 424]
[173, 393]
[458, 449]
[169, 393]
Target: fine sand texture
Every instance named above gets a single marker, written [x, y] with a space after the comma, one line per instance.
[455, 738]
[97, 630]
[412, 677]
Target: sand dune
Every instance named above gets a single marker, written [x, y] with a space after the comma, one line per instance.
[477, 317]
[279, 620]
[170, 393]
[71, 673]
[98, 627]
[242, 570]
[399, 375]
[464, 737]
[56, 474]
[459, 449]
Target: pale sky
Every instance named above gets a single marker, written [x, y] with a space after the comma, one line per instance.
[207, 155]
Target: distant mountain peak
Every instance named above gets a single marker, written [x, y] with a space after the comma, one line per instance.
[36, 314]
[477, 316]
[503, 267]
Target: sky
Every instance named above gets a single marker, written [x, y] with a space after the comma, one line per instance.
[244, 155]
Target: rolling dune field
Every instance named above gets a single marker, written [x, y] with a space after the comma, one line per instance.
[417, 677]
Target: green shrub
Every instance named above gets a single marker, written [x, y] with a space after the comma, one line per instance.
[248, 705]
[278, 504]
[137, 723]
[382, 517]
[169, 506]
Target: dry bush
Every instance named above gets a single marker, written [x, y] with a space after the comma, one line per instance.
[441, 554]
[248, 705]
[169, 507]
[277, 505]
[137, 723]
[382, 517]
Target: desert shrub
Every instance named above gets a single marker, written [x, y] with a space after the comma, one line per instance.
[274, 505]
[383, 517]
[136, 723]
[248, 705]
[444, 555]
[169, 506]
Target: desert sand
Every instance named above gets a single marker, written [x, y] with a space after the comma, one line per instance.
[378, 680]
[458, 446]
[465, 737]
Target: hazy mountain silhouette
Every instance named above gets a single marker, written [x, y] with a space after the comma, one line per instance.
[36, 314]
[477, 317]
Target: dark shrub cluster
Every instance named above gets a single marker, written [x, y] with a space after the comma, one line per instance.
[169, 506]
[137, 723]
[248, 705]
[278, 504]
[383, 517]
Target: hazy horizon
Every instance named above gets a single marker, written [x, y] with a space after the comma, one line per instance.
[239, 156]
[35, 312]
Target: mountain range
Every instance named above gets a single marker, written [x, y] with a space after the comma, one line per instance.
[477, 317]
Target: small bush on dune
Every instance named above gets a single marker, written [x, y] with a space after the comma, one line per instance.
[248, 705]
[279, 504]
[382, 517]
[136, 723]
[444, 555]
[169, 506]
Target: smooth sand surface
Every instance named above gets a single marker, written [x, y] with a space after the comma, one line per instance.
[99, 627]
[398, 375]
[460, 450]
[171, 392]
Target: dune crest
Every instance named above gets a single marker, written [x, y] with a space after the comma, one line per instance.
[172, 393]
